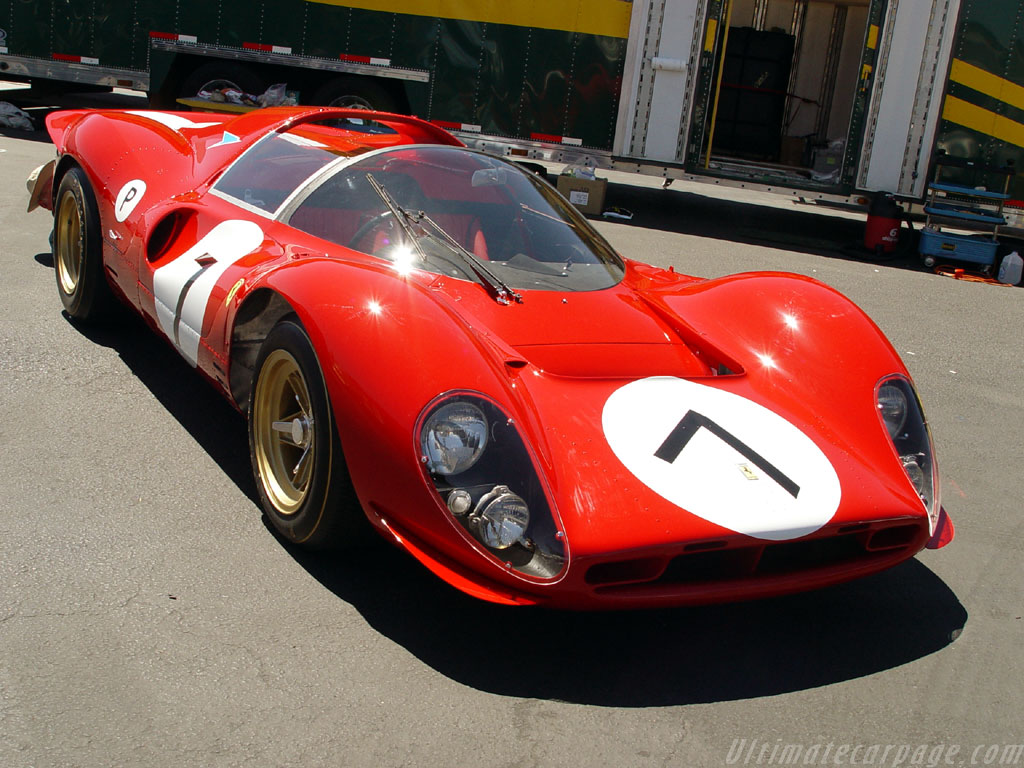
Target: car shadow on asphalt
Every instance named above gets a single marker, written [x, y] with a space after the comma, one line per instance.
[218, 428]
[622, 659]
[653, 657]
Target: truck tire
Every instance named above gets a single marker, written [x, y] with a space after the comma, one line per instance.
[221, 74]
[353, 92]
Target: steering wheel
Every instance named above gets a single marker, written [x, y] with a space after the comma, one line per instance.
[368, 226]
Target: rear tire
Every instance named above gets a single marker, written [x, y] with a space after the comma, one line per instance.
[297, 462]
[78, 250]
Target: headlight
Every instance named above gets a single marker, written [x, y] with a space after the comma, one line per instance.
[501, 518]
[453, 438]
[486, 480]
[903, 418]
[892, 407]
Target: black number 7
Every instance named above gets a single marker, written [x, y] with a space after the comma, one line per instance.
[693, 421]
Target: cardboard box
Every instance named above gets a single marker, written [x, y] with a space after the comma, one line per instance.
[585, 194]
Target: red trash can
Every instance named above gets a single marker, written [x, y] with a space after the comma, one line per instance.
[882, 233]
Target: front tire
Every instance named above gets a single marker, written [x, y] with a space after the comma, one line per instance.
[78, 250]
[300, 472]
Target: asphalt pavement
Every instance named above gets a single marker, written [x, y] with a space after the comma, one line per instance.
[149, 618]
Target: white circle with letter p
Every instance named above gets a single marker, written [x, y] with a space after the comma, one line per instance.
[129, 197]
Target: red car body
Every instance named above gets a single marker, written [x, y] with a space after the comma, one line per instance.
[694, 440]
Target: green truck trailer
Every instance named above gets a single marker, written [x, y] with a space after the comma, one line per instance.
[827, 99]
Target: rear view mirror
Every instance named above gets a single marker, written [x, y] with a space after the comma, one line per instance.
[490, 177]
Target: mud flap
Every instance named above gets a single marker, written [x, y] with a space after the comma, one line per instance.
[40, 187]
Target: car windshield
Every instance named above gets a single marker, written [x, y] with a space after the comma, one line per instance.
[499, 225]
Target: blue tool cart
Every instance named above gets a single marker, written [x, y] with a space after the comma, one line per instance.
[953, 202]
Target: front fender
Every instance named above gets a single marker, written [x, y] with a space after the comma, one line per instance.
[389, 346]
[806, 352]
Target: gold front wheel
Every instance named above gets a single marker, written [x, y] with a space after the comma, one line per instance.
[285, 432]
[297, 462]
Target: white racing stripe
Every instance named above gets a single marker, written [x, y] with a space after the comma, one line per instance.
[182, 287]
[174, 122]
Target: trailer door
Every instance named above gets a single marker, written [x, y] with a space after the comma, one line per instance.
[906, 101]
[654, 110]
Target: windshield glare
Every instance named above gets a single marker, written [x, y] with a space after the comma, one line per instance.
[522, 230]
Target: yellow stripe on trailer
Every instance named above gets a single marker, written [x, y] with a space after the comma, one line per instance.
[983, 121]
[609, 18]
[873, 36]
[985, 82]
[709, 38]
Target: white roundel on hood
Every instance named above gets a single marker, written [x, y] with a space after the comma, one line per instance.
[722, 457]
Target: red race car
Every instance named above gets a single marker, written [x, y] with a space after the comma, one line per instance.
[431, 339]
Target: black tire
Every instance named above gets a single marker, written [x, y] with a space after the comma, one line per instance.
[297, 461]
[354, 92]
[222, 74]
[78, 250]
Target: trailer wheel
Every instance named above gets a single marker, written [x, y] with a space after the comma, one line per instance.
[217, 75]
[355, 93]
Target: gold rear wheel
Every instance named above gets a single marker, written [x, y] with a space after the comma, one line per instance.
[78, 250]
[68, 243]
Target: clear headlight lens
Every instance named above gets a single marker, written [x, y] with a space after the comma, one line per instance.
[892, 407]
[501, 518]
[485, 477]
[901, 413]
[453, 438]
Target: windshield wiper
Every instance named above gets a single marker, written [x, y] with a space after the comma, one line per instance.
[502, 291]
[412, 224]
[404, 219]
[535, 212]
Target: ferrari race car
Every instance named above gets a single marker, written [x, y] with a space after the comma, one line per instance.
[430, 342]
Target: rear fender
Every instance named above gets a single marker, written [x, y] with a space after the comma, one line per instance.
[44, 181]
[60, 124]
[115, 148]
[412, 130]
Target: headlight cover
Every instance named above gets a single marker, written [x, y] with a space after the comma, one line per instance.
[453, 437]
[892, 407]
[900, 412]
[497, 498]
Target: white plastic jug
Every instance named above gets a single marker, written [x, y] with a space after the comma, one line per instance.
[1010, 269]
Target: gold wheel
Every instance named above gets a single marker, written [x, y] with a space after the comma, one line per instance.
[284, 432]
[69, 243]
